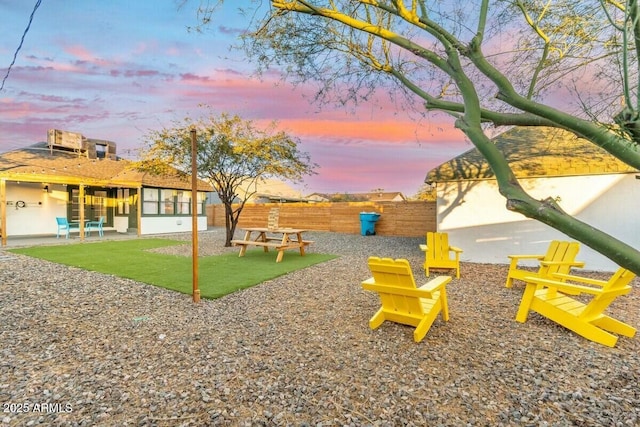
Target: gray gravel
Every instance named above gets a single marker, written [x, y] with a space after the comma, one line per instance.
[83, 349]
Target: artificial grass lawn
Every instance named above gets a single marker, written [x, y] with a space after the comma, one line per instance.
[217, 275]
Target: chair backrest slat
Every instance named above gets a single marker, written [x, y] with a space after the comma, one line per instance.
[397, 273]
[559, 251]
[617, 285]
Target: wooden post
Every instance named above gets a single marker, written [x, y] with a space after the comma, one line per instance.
[194, 216]
[81, 196]
[139, 211]
[3, 210]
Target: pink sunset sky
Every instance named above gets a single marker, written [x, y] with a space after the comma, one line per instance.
[117, 69]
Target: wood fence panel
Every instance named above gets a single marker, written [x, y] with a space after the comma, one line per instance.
[345, 216]
[405, 219]
[312, 216]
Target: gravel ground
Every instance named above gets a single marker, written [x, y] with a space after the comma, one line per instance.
[84, 349]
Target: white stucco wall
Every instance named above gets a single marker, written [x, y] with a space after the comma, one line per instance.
[474, 215]
[162, 224]
[38, 216]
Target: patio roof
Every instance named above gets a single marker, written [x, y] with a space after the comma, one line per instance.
[39, 163]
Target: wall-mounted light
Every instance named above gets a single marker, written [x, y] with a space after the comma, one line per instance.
[46, 189]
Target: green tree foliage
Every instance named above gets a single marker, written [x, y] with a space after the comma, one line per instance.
[489, 64]
[426, 192]
[233, 154]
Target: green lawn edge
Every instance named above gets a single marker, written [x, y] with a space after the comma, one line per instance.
[218, 275]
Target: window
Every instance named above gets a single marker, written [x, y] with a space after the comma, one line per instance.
[150, 201]
[123, 201]
[95, 204]
[99, 202]
[168, 204]
[164, 201]
[183, 203]
[75, 205]
[201, 203]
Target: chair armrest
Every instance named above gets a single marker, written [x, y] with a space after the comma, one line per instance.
[370, 285]
[455, 249]
[538, 257]
[571, 263]
[579, 279]
[563, 286]
[436, 283]
[423, 248]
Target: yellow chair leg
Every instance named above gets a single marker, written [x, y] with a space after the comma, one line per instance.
[377, 319]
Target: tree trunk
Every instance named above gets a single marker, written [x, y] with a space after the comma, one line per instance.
[230, 223]
[231, 220]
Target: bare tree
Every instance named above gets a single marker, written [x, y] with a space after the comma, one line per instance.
[232, 153]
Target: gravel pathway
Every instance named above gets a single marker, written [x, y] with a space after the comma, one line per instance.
[85, 349]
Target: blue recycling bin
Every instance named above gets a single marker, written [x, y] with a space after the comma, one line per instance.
[368, 223]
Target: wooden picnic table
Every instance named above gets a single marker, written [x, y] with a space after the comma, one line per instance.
[279, 239]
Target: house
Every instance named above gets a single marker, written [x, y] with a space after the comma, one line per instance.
[318, 197]
[263, 190]
[270, 190]
[374, 196]
[83, 179]
[383, 196]
[587, 182]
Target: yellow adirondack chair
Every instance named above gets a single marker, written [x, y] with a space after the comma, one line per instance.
[560, 258]
[438, 253]
[401, 301]
[549, 298]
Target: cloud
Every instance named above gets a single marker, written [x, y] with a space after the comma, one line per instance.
[142, 73]
[143, 77]
[356, 130]
[80, 52]
[230, 31]
[190, 77]
[365, 166]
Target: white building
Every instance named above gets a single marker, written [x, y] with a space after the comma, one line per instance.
[587, 182]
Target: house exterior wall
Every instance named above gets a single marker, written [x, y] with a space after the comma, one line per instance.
[170, 224]
[474, 215]
[32, 211]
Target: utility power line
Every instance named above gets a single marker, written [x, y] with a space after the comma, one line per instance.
[15, 55]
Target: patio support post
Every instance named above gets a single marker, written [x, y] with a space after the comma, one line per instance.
[3, 211]
[139, 210]
[81, 200]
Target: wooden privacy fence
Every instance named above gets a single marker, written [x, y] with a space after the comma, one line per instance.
[403, 219]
